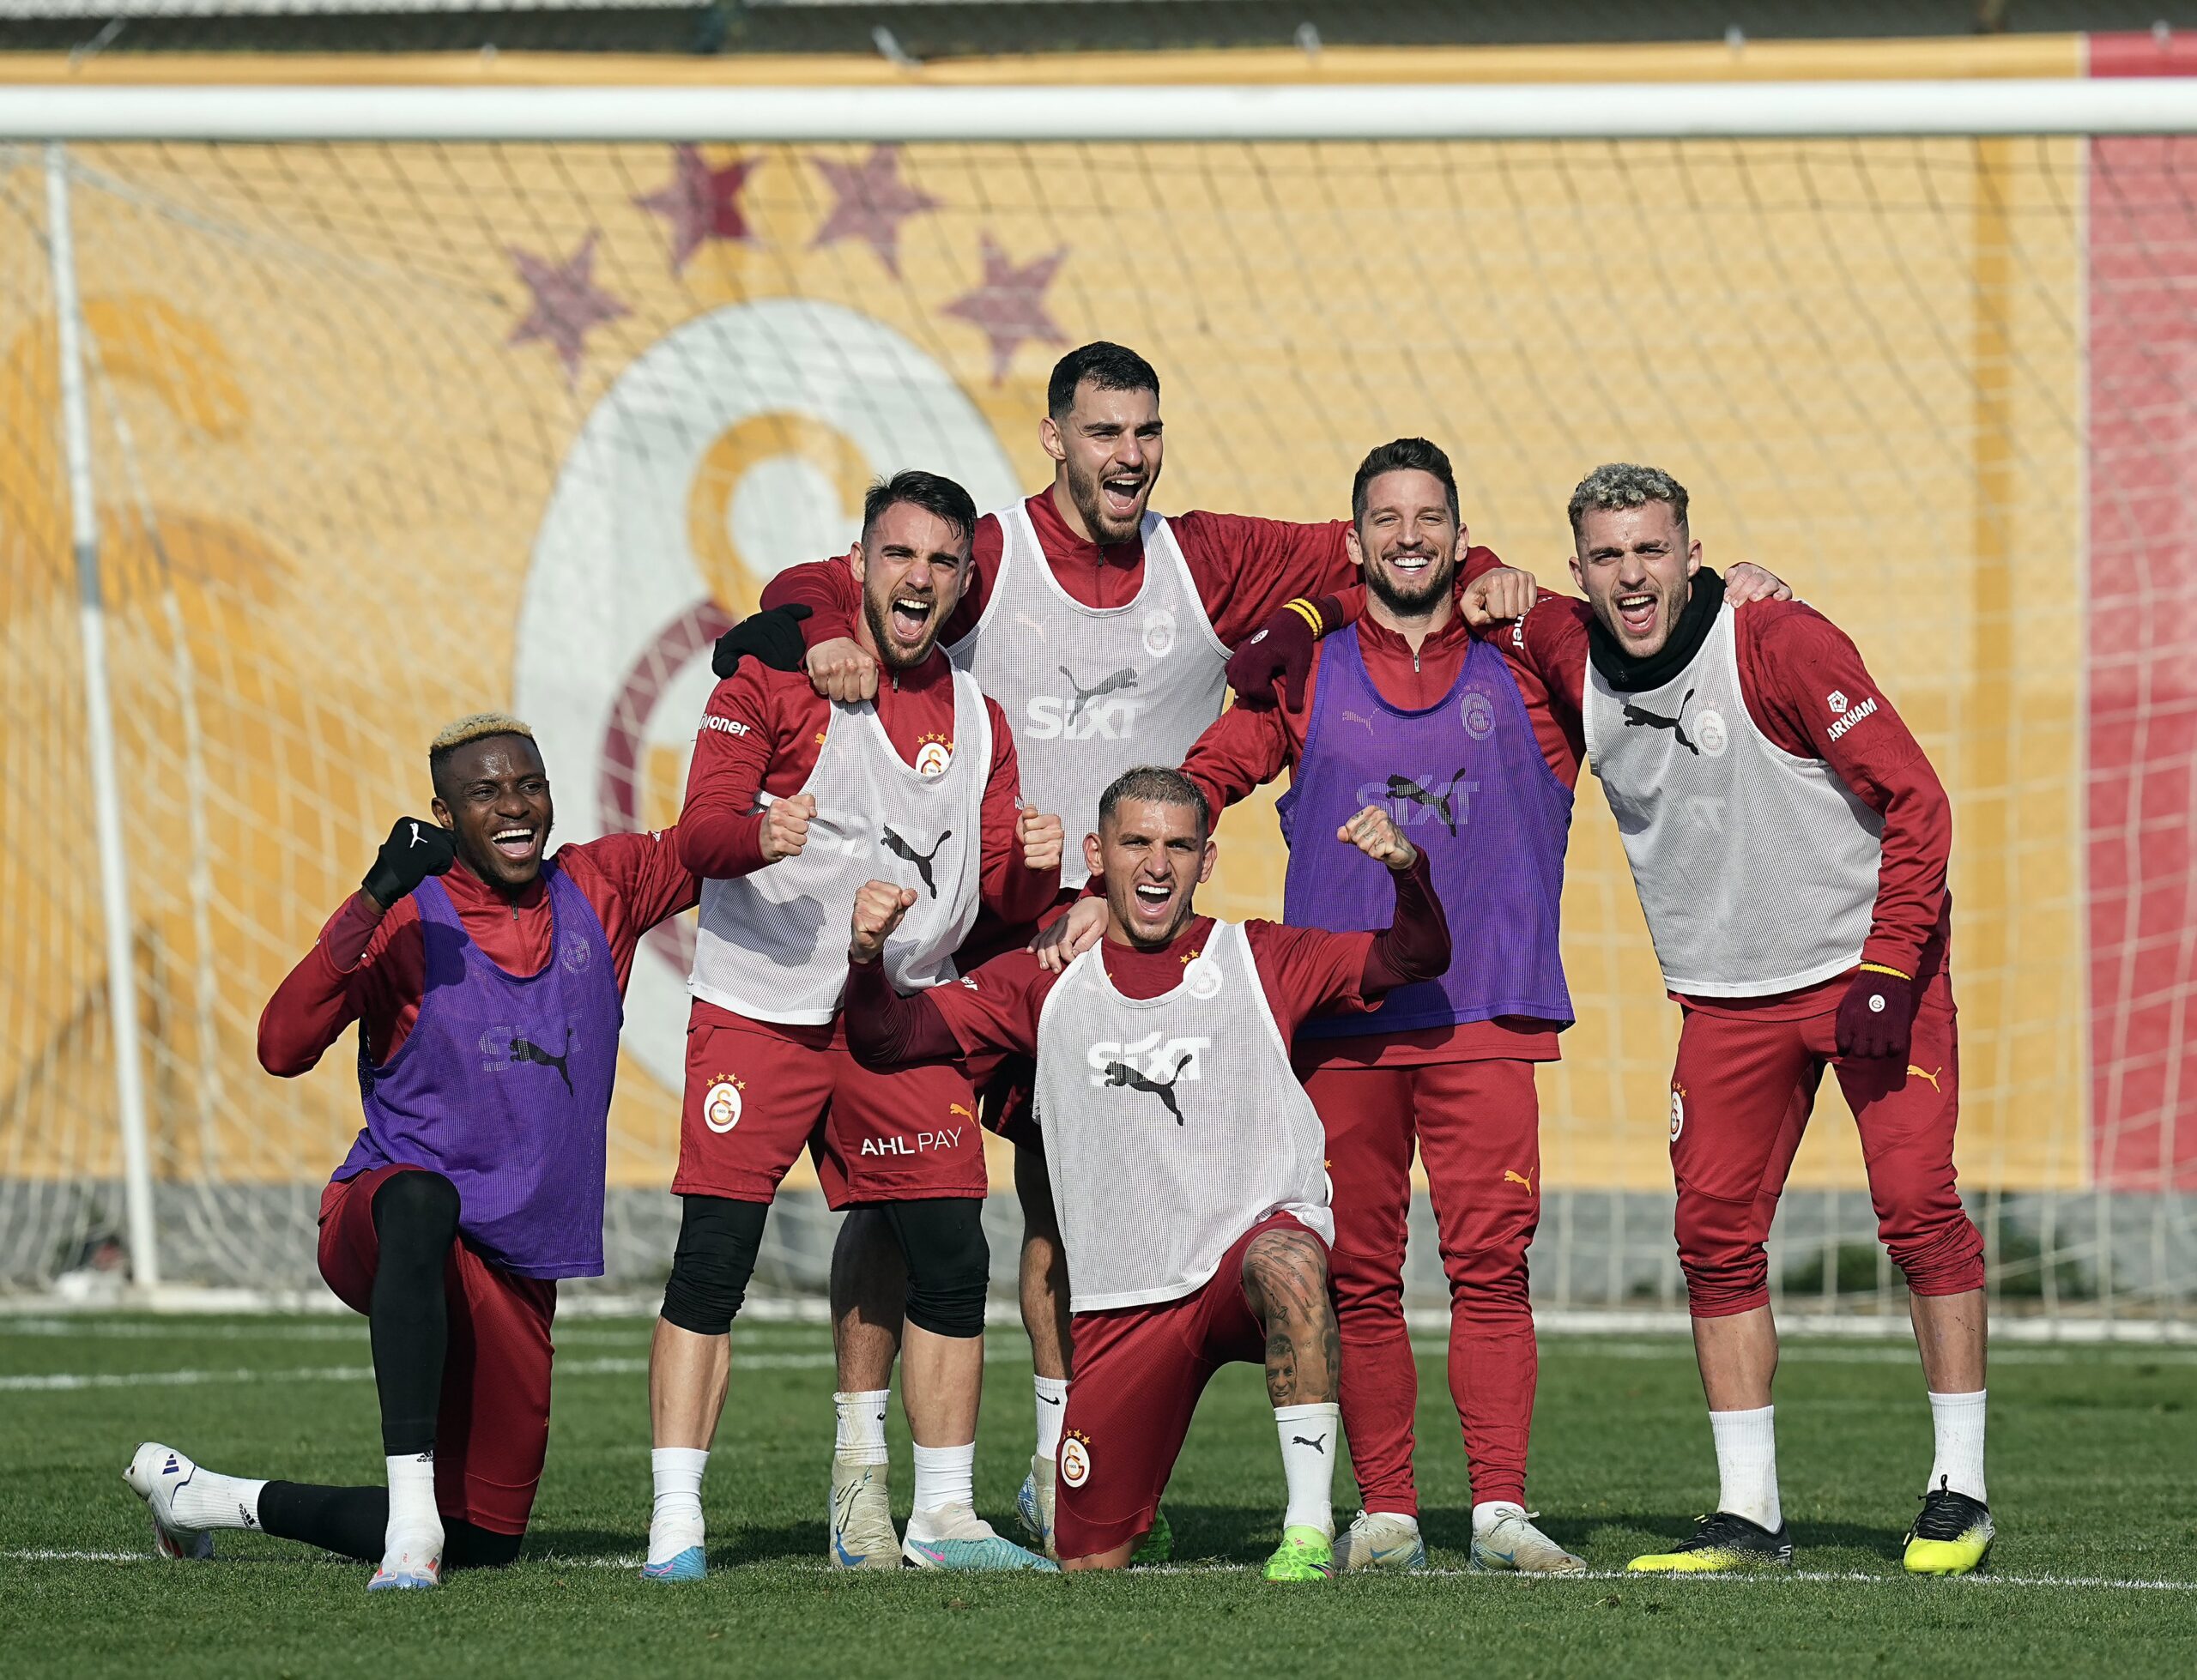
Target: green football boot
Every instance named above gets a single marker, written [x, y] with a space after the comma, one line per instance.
[1304, 1554]
[1157, 1545]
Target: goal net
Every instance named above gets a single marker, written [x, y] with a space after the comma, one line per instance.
[379, 431]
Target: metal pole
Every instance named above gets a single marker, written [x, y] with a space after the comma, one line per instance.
[98, 730]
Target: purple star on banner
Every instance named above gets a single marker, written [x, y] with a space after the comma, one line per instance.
[870, 202]
[568, 303]
[700, 204]
[1009, 307]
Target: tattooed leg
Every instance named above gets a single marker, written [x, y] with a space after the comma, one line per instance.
[1286, 1279]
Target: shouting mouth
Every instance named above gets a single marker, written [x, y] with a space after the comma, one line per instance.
[1153, 900]
[1636, 613]
[910, 620]
[516, 842]
[1119, 495]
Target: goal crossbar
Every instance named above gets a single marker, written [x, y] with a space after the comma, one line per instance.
[1356, 112]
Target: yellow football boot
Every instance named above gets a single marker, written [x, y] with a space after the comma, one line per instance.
[1950, 1536]
[1722, 1543]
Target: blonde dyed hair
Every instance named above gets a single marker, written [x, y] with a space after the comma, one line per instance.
[479, 726]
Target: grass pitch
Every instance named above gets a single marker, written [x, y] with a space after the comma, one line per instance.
[2093, 1466]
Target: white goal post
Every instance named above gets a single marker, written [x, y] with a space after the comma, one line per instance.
[302, 370]
[1142, 115]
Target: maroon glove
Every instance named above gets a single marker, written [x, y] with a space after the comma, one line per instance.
[1876, 1016]
[1281, 654]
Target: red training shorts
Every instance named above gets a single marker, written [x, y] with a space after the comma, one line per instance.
[757, 1092]
[1136, 1375]
[1740, 1097]
[493, 1431]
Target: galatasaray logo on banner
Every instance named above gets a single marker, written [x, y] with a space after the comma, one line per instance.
[736, 446]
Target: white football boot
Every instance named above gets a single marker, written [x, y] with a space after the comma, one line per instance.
[1380, 1540]
[156, 1475]
[1033, 1506]
[1511, 1542]
[955, 1537]
[862, 1536]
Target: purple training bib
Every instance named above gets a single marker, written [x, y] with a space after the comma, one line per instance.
[1466, 782]
[504, 1086]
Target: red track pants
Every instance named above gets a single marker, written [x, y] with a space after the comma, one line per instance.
[1478, 1127]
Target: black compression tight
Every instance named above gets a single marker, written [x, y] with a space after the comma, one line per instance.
[719, 1242]
[415, 1221]
[355, 1521]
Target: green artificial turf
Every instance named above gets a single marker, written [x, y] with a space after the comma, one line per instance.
[2093, 1467]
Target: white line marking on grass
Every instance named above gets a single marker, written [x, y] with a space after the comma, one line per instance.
[56, 1382]
[1496, 1579]
[632, 1365]
[1835, 1353]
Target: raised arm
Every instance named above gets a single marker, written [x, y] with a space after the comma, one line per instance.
[320, 997]
[1241, 750]
[1278, 655]
[722, 834]
[993, 1008]
[1021, 867]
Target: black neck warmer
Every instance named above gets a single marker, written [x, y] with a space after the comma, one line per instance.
[1629, 675]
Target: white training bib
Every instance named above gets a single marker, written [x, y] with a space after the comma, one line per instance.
[1091, 692]
[1172, 1125]
[772, 945]
[1758, 870]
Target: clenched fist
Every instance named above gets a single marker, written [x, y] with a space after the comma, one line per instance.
[1042, 838]
[417, 848]
[1494, 597]
[841, 670]
[878, 909]
[1372, 832]
[785, 826]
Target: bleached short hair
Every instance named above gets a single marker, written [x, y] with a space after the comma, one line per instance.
[479, 726]
[1619, 484]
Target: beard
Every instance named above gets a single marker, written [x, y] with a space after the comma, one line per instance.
[878, 614]
[1083, 491]
[1408, 600]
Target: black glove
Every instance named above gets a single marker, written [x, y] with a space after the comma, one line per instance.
[773, 637]
[417, 847]
[1876, 1018]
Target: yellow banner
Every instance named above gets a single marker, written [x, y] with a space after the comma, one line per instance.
[386, 434]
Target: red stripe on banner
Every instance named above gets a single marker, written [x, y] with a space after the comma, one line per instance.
[2165, 51]
[2142, 808]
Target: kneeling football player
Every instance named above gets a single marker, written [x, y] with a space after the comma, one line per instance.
[488, 1003]
[1186, 1161]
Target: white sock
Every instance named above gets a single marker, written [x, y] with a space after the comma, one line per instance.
[1309, 1439]
[1746, 1465]
[412, 1510]
[945, 1475]
[208, 1500]
[1052, 1406]
[675, 1520]
[1956, 1420]
[1490, 1512]
[861, 1438]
